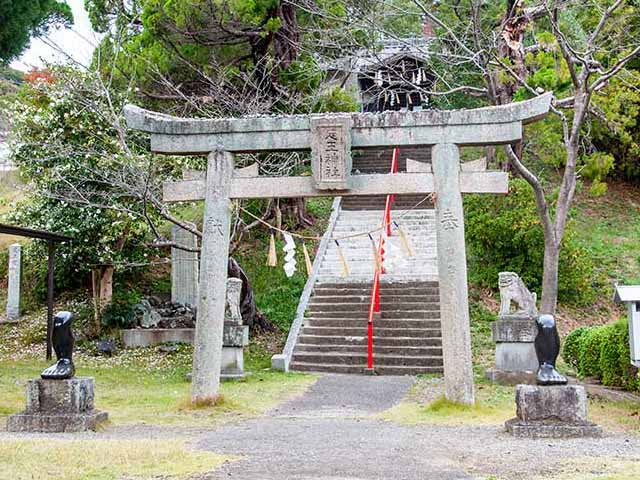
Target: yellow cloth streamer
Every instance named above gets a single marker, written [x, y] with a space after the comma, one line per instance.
[343, 261]
[272, 258]
[406, 243]
[307, 259]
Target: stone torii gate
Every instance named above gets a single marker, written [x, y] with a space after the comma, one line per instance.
[330, 137]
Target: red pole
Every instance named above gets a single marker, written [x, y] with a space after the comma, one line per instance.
[374, 306]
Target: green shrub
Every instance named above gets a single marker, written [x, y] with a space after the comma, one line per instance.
[615, 367]
[503, 233]
[603, 352]
[590, 347]
[121, 312]
[571, 347]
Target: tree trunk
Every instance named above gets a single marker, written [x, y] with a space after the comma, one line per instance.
[106, 285]
[550, 277]
[102, 286]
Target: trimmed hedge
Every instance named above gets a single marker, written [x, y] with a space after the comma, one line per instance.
[603, 352]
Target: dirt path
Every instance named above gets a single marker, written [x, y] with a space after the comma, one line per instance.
[329, 433]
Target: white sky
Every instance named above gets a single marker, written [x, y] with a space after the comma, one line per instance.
[79, 42]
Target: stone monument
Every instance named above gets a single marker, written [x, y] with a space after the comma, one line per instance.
[514, 333]
[58, 402]
[550, 409]
[184, 268]
[15, 276]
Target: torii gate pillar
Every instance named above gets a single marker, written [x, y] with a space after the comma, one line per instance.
[212, 290]
[452, 273]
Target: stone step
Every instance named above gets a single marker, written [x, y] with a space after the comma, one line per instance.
[361, 358]
[385, 307]
[424, 267]
[380, 332]
[378, 323]
[366, 298]
[329, 290]
[413, 351]
[361, 369]
[384, 285]
[384, 314]
[377, 340]
[415, 265]
[419, 245]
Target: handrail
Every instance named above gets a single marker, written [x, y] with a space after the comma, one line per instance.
[374, 305]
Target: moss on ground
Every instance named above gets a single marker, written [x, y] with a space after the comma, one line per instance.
[425, 404]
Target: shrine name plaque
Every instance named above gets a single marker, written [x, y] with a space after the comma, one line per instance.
[331, 152]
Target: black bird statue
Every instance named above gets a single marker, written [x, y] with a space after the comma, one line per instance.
[547, 344]
[63, 342]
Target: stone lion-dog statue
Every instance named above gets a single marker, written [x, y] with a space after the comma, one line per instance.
[513, 289]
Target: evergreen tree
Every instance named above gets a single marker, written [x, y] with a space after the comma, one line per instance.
[22, 19]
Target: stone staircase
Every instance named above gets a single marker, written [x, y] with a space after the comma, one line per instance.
[407, 335]
[406, 339]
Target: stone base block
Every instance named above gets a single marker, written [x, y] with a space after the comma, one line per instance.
[552, 430]
[58, 406]
[558, 411]
[516, 357]
[504, 377]
[232, 362]
[25, 422]
[514, 329]
[279, 362]
[75, 395]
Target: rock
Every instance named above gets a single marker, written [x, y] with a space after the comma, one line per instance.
[168, 348]
[150, 317]
[106, 347]
[155, 301]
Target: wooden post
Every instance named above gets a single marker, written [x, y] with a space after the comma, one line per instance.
[452, 270]
[207, 355]
[52, 252]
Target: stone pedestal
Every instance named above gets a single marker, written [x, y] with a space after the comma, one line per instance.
[551, 412]
[516, 360]
[58, 406]
[234, 339]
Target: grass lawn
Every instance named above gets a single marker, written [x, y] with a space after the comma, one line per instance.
[495, 404]
[95, 459]
[144, 385]
[157, 396]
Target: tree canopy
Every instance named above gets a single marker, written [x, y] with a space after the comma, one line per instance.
[22, 19]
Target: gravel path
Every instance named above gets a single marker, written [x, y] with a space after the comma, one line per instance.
[328, 433]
